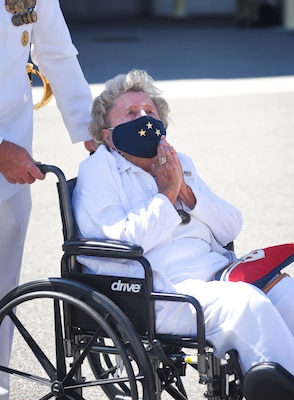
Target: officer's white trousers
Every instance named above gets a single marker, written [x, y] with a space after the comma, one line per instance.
[14, 218]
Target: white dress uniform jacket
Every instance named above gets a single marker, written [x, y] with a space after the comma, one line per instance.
[55, 55]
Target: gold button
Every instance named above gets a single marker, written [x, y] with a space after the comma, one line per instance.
[25, 37]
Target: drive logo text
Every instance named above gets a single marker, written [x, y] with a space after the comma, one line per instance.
[120, 286]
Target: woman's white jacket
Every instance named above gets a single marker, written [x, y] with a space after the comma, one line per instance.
[115, 199]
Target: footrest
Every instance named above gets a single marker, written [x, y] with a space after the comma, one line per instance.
[268, 381]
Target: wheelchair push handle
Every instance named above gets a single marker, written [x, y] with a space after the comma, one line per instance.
[44, 168]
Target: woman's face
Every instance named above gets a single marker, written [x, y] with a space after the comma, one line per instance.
[127, 107]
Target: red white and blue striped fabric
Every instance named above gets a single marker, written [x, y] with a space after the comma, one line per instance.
[259, 266]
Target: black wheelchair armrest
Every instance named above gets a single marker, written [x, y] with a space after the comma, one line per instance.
[102, 248]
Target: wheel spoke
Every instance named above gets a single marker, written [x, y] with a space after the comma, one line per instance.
[38, 379]
[40, 355]
[99, 382]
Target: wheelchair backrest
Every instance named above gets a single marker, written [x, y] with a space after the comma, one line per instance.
[65, 190]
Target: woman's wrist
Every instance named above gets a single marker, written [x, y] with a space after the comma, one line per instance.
[187, 196]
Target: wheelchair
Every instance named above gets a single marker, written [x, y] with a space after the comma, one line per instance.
[104, 340]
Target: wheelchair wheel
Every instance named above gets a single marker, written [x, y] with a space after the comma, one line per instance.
[49, 355]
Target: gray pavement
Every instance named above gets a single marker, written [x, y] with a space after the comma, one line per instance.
[231, 94]
[192, 48]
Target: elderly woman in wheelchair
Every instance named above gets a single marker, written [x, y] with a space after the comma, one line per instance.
[137, 188]
[148, 271]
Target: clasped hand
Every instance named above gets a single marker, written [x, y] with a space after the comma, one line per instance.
[169, 175]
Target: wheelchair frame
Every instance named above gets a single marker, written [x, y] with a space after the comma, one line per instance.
[127, 358]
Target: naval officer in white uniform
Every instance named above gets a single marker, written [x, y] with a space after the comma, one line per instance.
[39, 26]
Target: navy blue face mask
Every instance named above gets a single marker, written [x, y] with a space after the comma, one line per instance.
[139, 137]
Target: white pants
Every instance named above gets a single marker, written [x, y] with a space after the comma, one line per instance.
[239, 316]
[14, 218]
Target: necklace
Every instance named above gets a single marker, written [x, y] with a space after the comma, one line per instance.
[185, 217]
[23, 11]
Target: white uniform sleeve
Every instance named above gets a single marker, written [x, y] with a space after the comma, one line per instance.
[56, 57]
